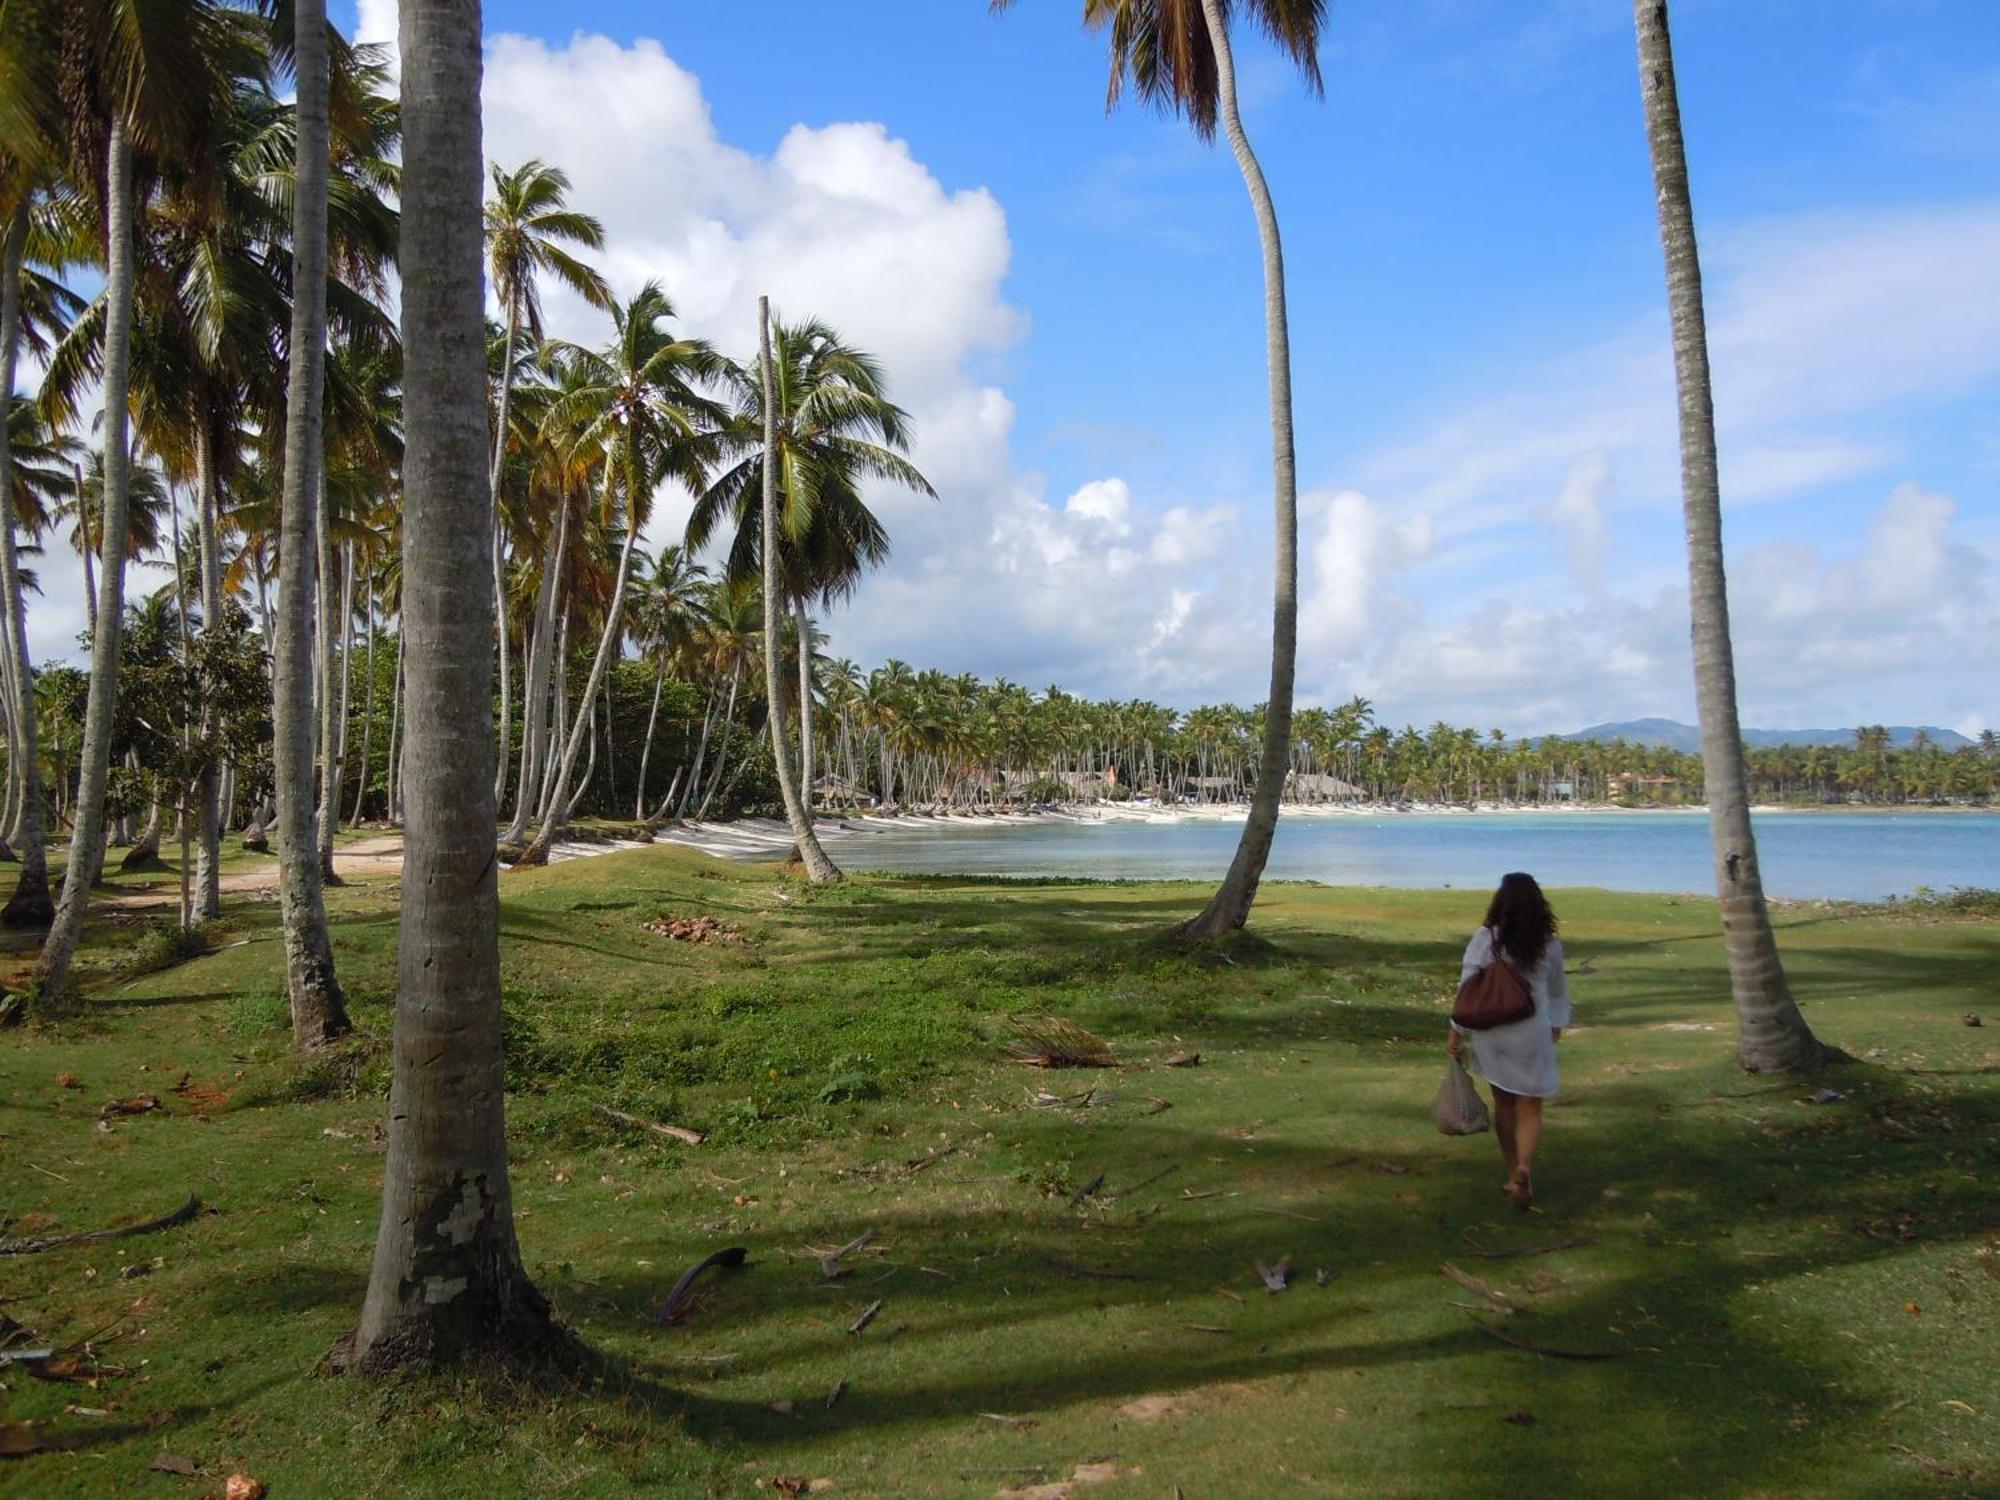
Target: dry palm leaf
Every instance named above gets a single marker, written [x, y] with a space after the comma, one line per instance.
[1046, 1041]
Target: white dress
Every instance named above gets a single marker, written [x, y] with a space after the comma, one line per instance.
[1519, 1057]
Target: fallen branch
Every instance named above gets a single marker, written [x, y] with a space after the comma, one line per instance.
[94, 1236]
[1543, 1349]
[1472, 1283]
[830, 1265]
[734, 1255]
[1088, 1190]
[1147, 1182]
[867, 1316]
[671, 1132]
[929, 1158]
[1527, 1250]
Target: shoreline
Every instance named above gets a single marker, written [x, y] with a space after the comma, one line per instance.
[771, 838]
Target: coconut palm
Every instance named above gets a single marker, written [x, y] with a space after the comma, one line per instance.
[34, 308]
[447, 1277]
[319, 1010]
[636, 410]
[528, 222]
[667, 618]
[832, 426]
[143, 79]
[1771, 1033]
[1176, 54]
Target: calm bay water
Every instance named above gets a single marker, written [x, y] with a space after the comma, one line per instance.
[1806, 856]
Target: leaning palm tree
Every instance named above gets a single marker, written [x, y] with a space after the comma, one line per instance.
[140, 79]
[1176, 54]
[528, 223]
[825, 413]
[447, 1278]
[1771, 1033]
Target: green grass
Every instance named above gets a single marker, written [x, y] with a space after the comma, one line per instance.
[1803, 1297]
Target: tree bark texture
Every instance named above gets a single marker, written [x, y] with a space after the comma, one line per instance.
[319, 1011]
[1771, 1033]
[86, 846]
[447, 1278]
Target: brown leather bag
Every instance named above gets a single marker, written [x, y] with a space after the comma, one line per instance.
[1497, 995]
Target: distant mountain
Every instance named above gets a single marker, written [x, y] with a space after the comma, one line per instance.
[1678, 736]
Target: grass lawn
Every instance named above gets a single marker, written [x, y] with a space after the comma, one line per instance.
[1796, 1298]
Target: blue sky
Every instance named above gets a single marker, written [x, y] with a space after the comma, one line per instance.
[1070, 305]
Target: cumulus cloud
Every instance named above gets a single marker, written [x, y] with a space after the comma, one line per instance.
[1578, 516]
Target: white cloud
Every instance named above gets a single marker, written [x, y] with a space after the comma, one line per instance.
[1578, 516]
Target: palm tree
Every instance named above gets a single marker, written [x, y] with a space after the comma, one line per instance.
[142, 77]
[527, 223]
[820, 867]
[1176, 54]
[319, 1011]
[635, 407]
[669, 618]
[447, 1277]
[827, 416]
[1771, 1033]
[30, 906]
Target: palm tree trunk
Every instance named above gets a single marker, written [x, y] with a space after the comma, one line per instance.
[395, 781]
[367, 709]
[535, 691]
[208, 783]
[1771, 1033]
[722, 750]
[557, 808]
[319, 1012]
[84, 533]
[646, 754]
[1230, 907]
[447, 1277]
[86, 847]
[328, 729]
[30, 906]
[820, 868]
[333, 710]
[506, 753]
[700, 753]
[806, 776]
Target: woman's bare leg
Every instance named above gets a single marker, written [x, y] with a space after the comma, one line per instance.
[1527, 1134]
[1503, 1128]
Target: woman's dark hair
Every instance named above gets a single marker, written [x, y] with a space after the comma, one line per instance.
[1520, 914]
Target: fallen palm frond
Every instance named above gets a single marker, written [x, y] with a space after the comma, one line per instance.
[96, 1236]
[1046, 1041]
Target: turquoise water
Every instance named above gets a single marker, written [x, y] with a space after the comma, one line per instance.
[1806, 856]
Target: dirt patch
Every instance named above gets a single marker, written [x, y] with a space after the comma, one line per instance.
[1159, 1408]
[1064, 1489]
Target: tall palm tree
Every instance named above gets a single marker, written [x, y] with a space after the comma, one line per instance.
[141, 78]
[637, 407]
[829, 420]
[528, 221]
[1176, 54]
[319, 1010]
[1771, 1034]
[447, 1277]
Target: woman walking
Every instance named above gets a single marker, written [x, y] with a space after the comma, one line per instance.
[1518, 1060]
